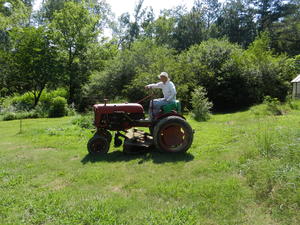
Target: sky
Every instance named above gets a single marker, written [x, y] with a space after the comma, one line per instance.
[118, 7]
[121, 6]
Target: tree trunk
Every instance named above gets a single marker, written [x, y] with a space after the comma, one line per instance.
[37, 96]
[71, 93]
[71, 77]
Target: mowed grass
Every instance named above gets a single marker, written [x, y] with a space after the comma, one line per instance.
[242, 168]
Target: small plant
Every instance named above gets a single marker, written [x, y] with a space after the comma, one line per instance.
[83, 121]
[71, 110]
[201, 105]
[58, 107]
[265, 142]
[273, 105]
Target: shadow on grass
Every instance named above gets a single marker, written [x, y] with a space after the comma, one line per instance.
[154, 156]
[230, 110]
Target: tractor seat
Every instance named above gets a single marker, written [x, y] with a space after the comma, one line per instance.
[172, 106]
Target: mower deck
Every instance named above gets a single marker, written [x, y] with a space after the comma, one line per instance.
[137, 141]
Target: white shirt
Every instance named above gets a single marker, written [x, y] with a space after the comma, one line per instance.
[168, 89]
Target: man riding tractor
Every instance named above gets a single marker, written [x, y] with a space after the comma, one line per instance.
[169, 131]
[169, 92]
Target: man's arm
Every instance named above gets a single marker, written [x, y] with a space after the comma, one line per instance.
[157, 85]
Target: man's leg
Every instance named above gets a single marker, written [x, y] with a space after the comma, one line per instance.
[156, 105]
[150, 110]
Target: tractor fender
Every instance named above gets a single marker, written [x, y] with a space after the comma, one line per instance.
[162, 116]
[173, 113]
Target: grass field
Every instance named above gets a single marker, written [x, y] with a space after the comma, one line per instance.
[243, 168]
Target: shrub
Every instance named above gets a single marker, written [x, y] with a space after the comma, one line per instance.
[47, 98]
[213, 64]
[58, 107]
[20, 115]
[292, 103]
[9, 116]
[273, 105]
[201, 105]
[23, 102]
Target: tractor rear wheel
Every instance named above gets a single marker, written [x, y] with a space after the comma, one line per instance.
[173, 134]
[98, 144]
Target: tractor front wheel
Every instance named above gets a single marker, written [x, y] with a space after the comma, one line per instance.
[98, 144]
[173, 134]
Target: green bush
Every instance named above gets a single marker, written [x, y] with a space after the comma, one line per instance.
[273, 105]
[47, 97]
[9, 116]
[293, 103]
[20, 115]
[201, 105]
[58, 107]
[23, 102]
[232, 76]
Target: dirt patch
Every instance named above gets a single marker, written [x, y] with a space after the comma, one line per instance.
[57, 184]
[116, 189]
[74, 158]
[45, 149]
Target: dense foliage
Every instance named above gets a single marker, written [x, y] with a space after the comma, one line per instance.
[239, 50]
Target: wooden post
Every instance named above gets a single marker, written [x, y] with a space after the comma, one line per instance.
[296, 92]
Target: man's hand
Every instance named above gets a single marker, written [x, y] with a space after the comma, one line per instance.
[147, 87]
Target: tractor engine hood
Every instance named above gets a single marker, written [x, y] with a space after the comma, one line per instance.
[124, 107]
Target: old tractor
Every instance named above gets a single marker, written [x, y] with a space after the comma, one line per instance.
[168, 131]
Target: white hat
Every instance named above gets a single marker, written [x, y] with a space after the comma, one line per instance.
[163, 74]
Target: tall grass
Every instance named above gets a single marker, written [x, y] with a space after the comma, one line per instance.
[271, 166]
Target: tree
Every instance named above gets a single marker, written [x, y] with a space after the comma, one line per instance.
[75, 30]
[126, 75]
[285, 33]
[12, 13]
[131, 30]
[210, 9]
[162, 29]
[189, 30]
[236, 22]
[270, 11]
[95, 7]
[33, 62]
[177, 28]
[273, 73]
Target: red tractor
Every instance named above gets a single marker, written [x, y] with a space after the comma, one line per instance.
[169, 130]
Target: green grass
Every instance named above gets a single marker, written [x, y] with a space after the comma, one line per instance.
[243, 168]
